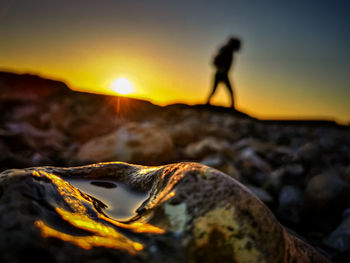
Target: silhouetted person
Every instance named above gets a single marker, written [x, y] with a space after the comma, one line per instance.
[222, 63]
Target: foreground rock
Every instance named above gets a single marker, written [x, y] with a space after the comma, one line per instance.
[193, 213]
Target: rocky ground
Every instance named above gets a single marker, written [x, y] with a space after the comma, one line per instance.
[299, 169]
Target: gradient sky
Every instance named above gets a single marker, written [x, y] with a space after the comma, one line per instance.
[294, 62]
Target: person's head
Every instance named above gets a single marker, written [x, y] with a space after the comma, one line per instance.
[234, 43]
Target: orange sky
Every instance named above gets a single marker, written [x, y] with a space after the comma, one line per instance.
[284, 70]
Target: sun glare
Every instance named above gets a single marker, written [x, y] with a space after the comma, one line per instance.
[122, 86]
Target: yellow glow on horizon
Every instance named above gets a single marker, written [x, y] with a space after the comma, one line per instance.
[171, 78]
[122, 86]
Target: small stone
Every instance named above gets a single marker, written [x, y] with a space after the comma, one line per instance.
[327, 192]
[208, 145]
[185, 132]
[253, 168]
[291, 204]
[145, 143]
[308, 153]
[293, 174]
[274, 182]
[346, 174]
[250, 155]
[339, 239]
[214, 161]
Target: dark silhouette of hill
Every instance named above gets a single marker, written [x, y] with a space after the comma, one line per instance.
[317, 122]
[15, 88]
[29, 87]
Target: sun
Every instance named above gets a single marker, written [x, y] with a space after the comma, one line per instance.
[122, 86]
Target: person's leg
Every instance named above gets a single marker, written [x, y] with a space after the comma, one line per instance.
[229, 87]
[215, 85]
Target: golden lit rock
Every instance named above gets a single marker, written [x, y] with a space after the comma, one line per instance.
[189, 213]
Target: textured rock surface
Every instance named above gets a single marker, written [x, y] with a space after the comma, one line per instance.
[44, 123]
[193, 214]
